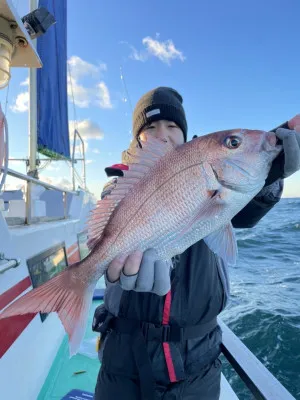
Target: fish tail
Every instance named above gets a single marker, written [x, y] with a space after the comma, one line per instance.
[71, 300]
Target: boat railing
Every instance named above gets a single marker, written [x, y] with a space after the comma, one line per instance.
[6, 264]
[74, 160]
[31, 180]
[259, 380]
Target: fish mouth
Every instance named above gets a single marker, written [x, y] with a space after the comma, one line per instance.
[271, 143]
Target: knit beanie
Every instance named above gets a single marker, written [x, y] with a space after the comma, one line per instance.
[162, 103]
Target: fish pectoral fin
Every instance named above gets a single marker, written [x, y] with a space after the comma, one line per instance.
[70, 299]
[205, 213]
[223, 244]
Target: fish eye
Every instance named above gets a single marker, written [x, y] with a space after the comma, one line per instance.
[232, 142]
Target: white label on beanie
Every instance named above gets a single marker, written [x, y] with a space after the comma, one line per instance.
[152, 112]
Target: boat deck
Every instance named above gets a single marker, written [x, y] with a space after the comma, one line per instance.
[80, 372]
[62, 377]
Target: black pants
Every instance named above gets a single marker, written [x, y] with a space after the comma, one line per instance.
[203, 386]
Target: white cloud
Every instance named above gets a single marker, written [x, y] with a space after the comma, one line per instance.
[85, 96]
[50, 167]
[165, 51]
[87, 129]
[22, 103]
[103, 96]
[135, 54]
[25, 83]
[89, 161]
[138, 55]
[80, 68]
[82, 95]
[58, 181]
[13, 185]
[96, 151]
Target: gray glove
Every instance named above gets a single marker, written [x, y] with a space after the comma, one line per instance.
[153, 275]
[291, 147]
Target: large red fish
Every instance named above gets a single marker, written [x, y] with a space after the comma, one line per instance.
[168, 199]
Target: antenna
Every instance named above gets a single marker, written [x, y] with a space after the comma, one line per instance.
[125, 88]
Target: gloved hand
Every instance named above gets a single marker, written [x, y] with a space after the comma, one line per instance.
[141, 272]
[291, 148]
[288, 161]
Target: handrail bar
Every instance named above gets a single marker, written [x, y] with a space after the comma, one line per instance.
[28, 178]
[8, 265]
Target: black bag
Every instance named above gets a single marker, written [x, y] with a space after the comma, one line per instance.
[101, 321]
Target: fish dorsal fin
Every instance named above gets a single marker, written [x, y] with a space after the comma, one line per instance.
[139, 161]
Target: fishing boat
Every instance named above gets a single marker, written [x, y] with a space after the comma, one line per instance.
[41, 226]
[42, 231]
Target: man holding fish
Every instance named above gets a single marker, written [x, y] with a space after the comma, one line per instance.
[159, 334]
[163, 236]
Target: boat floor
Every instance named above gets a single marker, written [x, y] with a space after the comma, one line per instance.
[63, 376]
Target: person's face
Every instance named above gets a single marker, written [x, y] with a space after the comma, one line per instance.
[165, 130]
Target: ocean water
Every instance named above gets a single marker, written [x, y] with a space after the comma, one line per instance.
[264, 309]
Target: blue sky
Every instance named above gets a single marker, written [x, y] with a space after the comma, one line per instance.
[235, 63]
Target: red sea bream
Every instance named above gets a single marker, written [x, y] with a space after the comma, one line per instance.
[168, 199]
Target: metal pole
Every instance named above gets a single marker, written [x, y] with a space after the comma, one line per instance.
[73, 160]
[5, 266]
[32, 128]
[84, 169]
[76, 133]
